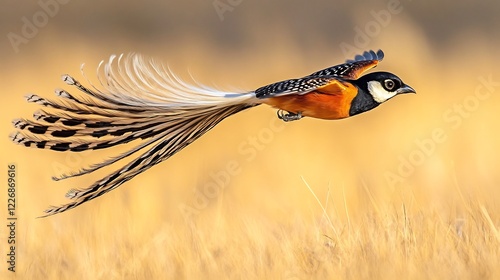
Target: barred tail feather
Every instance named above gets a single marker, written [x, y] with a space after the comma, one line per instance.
[108, 161]
[113, 129]
[191, 130]
[78, 141]
[140, 99]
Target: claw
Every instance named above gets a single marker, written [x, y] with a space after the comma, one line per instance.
[288, 116]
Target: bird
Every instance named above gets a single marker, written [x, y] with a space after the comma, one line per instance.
[141, 99]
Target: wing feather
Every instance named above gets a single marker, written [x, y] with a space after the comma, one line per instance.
[293, 86]
[352, 69]
[331, 78]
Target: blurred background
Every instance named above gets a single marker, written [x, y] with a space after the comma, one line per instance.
[426, 150]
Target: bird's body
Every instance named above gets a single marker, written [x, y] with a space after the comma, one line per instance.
[329, 102]
[143, 100]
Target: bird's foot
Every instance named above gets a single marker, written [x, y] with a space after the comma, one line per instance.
[288, 116]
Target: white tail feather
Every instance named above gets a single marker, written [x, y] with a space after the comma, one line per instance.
[136, 81]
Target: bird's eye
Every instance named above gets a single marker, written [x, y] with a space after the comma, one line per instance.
[389, 84]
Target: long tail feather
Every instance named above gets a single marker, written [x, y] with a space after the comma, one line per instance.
[140, 99]
[192, 130]
[108, 161]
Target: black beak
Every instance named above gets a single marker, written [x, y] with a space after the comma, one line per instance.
[405, 89]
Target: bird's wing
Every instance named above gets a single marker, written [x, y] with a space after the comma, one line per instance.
[301, 86]
[352, 69]
[331, 78]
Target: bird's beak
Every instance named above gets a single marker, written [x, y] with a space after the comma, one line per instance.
[405, 89]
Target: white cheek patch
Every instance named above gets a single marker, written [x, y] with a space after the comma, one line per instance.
[378, 92]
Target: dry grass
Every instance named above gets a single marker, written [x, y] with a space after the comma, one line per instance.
[378, 242]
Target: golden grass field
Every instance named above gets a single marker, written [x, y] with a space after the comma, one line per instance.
[409, 190]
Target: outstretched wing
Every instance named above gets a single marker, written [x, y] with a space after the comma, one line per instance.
[352, 69]
[331, 77]
[299, 86]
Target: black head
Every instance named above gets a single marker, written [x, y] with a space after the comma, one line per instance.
[383, 86]
[376, 88]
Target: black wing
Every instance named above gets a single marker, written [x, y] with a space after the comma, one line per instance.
[352, 69]
[293, 86]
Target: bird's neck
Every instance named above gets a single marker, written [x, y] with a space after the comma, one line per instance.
[362, 102]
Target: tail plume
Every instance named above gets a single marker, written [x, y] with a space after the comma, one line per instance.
[140, 100]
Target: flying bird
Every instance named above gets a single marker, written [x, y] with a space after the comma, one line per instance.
[141, 99]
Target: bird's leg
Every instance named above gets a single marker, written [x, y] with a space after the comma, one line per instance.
[289, 116]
